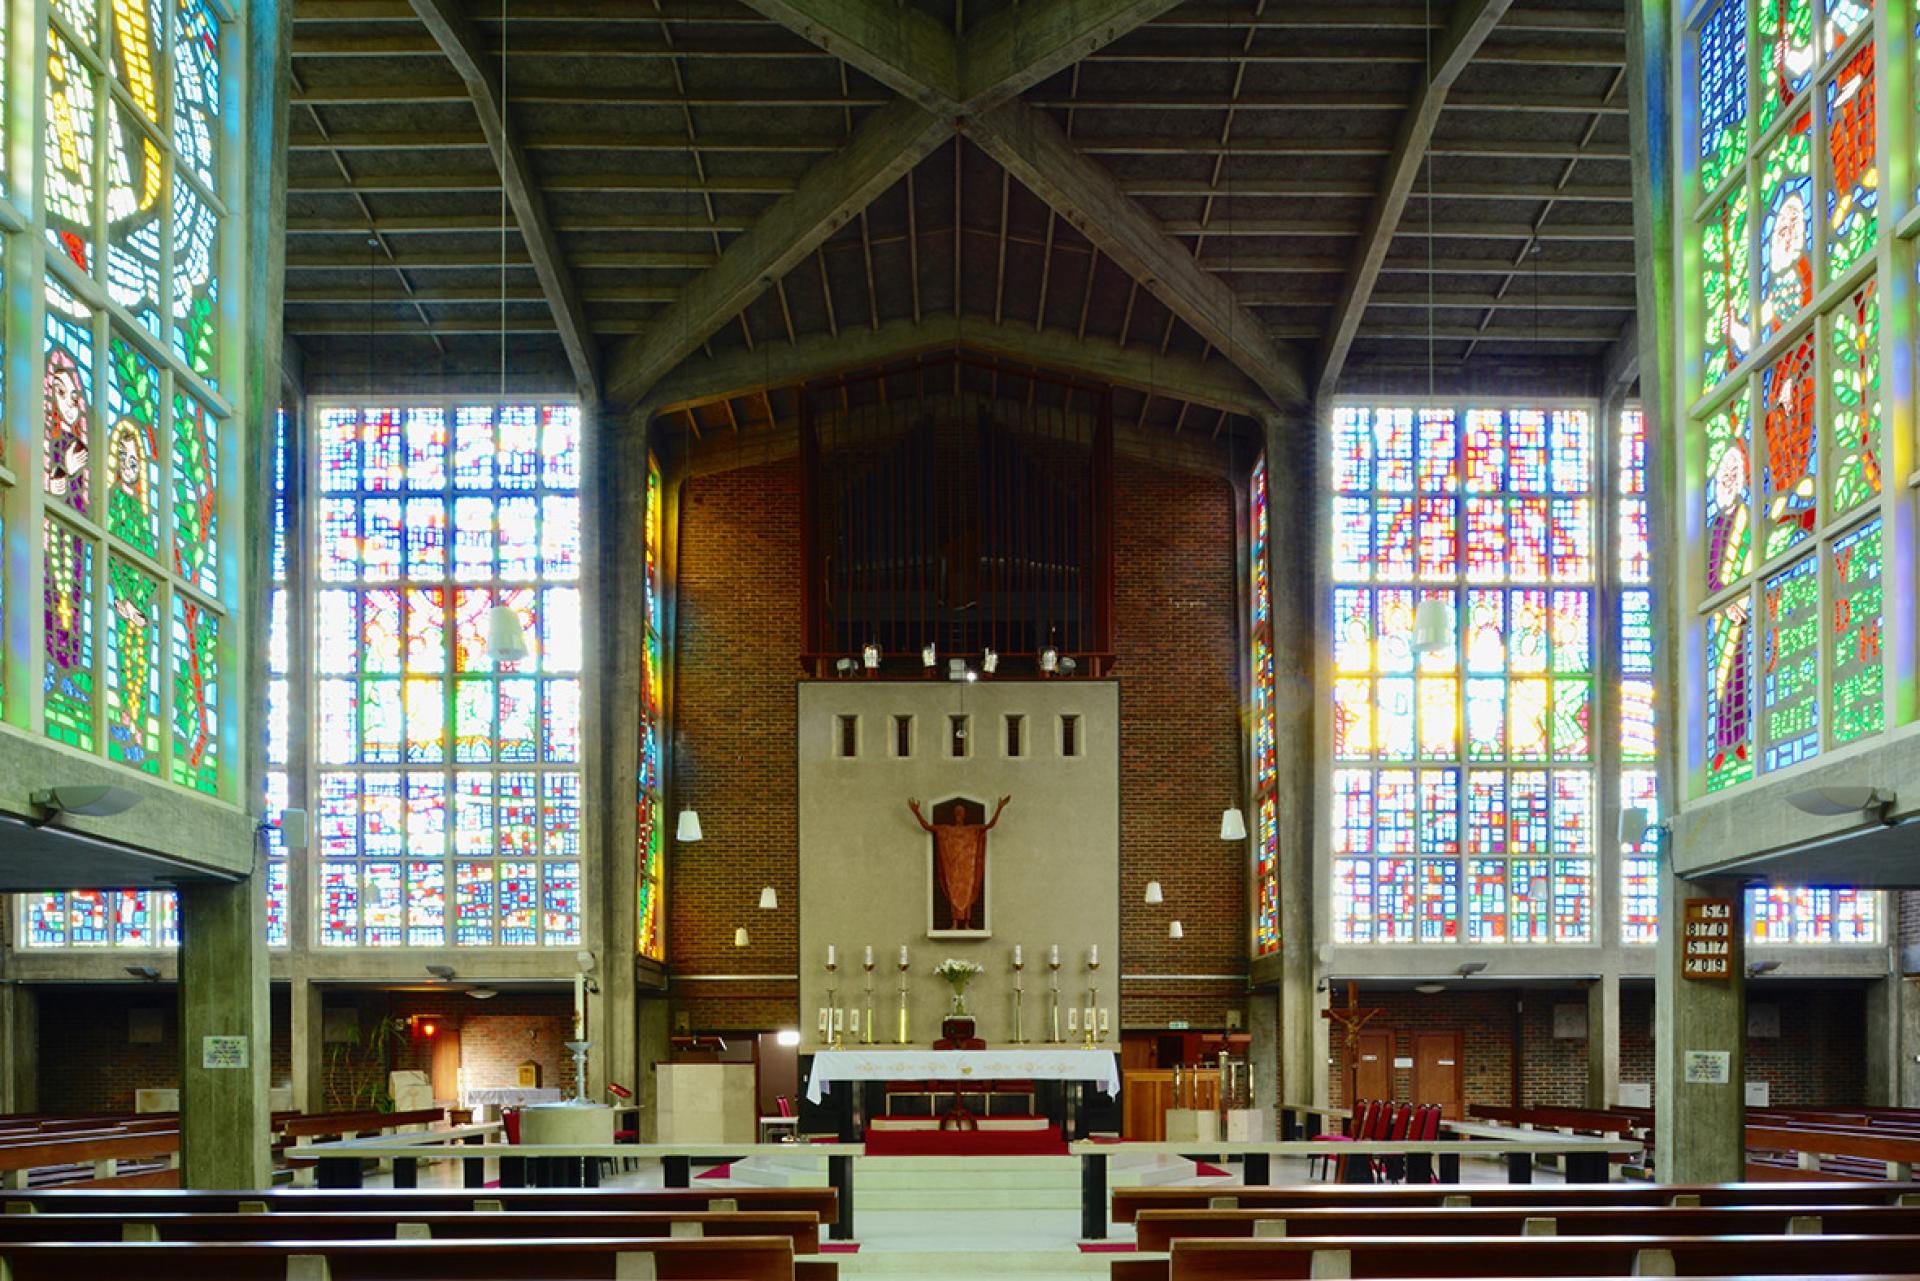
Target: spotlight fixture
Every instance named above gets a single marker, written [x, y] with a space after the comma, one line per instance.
[1049, 660]
[1233, 824]
[506, 638]
[1756, 968]
[1068, 666]
[929, 656]
[148, 972]
[1835, 801]
[990, 661]
[787, 1036]
[92, 800]
[482, 993]
[845, 667]
[1469, 968]
[1154, 894]
[956, 669]
[687, 830]
[584, 961]
[769, 898]
[870, 656]
[442, 972]
[1429, 989]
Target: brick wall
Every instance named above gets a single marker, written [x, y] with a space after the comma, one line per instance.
[1819, 1058]
[496, 1036]
[1485, 1019]
[737, 638]
[88, 1062]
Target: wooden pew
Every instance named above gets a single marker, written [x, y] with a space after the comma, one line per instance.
[820, 1201]
[1128, 1202]
[1157, 1229]
[800, 1228]
[1893, 1155]
[1486, 1257]
[100, 1149]
[479, 1259]
[344, 1125]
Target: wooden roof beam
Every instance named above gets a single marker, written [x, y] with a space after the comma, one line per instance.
[1031, 146]
[1472, 22]
[465, 48]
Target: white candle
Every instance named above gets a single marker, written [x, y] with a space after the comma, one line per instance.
[829, 956]
[903, 956]
[869, 956]
[579, 1006]
[1093, 955]
[1016, 956]
[1053, 958]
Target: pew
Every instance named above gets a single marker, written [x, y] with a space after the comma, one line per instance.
[1128, 1202]
[1877, 1154]
[821, 1202]
[102, 1150]
[476, 1259]
[1524, 1256]
[1157, 1229]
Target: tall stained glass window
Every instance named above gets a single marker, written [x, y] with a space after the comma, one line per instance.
[1784, 438]
[447, 774]
[1464, 774]
[651, 829]
[1266, 853]
[1639, 785]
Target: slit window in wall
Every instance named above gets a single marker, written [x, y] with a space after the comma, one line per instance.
[1016, 736]
[903, 736]
[1069, 735]
[849, 736]
[956, 736]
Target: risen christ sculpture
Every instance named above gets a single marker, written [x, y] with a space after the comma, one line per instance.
[959, 850]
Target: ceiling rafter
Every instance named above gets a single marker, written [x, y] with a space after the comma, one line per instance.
[937, 75]
[1472, 22]
[462, 43]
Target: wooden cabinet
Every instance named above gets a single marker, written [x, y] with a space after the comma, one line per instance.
[1148, 1093]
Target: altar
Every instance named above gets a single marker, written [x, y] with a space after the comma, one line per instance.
[1007, 1063]
[1057, 1084]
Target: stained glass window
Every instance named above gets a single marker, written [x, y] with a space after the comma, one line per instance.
[1729, 706]
[69, 635]
[136, 196]
[1639, 872]
[1789, 665]
[196, 530]
[280, 773]
[1853, 173]
[133, 667]
[1786, 221]
[1728, 497]
[133, 447]
[67, 439]
[1858, 676]
[650, 831]
[1266, 853]
[1723, 92]
[1785, 38]
[430, 749]
[72, 108]
[1475, 650]
[1789, 465]
[1844, 17]
[1726, 287]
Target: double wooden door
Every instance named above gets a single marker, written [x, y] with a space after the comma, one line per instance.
[1439, 1070]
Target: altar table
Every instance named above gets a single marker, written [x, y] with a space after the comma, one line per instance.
[1010, 1063]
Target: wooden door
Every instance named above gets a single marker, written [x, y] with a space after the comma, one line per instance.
[1373, 1076]
[1439, 1072]
[446, 1063]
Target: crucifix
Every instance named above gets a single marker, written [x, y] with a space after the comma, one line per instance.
[1351, 1020]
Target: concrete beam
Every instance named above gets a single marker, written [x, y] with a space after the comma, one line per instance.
[885, 146]
[467, 50]
[1620, 363]
[1036, 150]
[907, 50]
[1021, 45]
[1472, 22]
[1212, 385]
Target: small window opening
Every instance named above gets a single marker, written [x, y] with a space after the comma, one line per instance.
[1069, 735]
[1015, 726]
[903, 736]
[956, 736]
[849, 736]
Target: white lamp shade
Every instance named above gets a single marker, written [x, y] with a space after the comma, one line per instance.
[1153, 893]
[688, 828]
[506, 638]
[740, 936]
[1432, 627]
[768, 899]
[1175, 930]
[1233, 824]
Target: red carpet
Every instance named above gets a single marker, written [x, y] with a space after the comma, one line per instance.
[717, 1172]
[1045, 1142]
[1106, 1247]
[839, 1247]
[1202, 1170]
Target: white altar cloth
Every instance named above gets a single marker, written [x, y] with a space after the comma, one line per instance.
[1012, 1063]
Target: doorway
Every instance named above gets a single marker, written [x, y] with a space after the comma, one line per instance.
[445, 1073]
[1373, 1068]
[1438, 1072]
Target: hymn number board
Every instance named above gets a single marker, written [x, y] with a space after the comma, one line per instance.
[1709, 939]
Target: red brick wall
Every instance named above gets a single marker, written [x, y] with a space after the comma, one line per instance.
[1819, 1058]
[737, 644]
[737, 638]
[88, 1064]
[1485, 1019]
[496, 1035]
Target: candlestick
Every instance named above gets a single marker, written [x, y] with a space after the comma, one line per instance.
[1019, 998]
[1053, 996]
[903, 996]
[868, 1034]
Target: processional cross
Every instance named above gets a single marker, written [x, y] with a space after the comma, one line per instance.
[1352, 1019]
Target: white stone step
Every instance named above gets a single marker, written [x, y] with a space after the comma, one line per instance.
[934, 1199]
[880, 1174]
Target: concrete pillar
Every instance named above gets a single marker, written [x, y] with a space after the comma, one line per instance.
[652, 1047]
[224, 1112]
[1263, 1051]
[1699, 1126]
[20, 1054]
[307, 1035]
[1603, 1041]
[1908, 1044]
[1893, 1042]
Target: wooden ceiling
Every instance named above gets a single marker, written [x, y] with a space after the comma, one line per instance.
[1217, 205]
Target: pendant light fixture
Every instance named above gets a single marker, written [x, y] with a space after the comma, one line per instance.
[1233, 824]
[687, 830]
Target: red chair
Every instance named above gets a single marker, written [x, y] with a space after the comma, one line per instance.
[510, 1121]
[1356, 1128]
[1393, 1169]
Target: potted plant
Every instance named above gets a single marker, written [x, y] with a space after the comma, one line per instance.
[957, 1028]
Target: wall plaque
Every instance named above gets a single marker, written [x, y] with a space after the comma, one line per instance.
[223, 1052]
[1707, 941]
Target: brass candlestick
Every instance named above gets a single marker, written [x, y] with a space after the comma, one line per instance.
[1091, 1017]
[903, 1003]
[833, 1007]
[1019, 997]
[1053, 999]
[866, 1033]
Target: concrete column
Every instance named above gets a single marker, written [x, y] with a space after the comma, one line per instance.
[308, 1035]
[20, 1055]
[224, 1112]
[1893, 1041]
[651, 1039]
[1263, 1053]
[1699, 1127]
[1907, 1044]
[1603, 1041]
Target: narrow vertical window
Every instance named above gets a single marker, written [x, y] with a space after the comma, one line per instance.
[1069, 735]
[956, 736]
[849, 736]
[1015, 745]
[903, 736]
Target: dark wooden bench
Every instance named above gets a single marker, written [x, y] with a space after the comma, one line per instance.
[1484, 1257]
[1128, 1202]
[821, 1202]
[1157, 1229]
[57, 1155]
[485, 1259]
